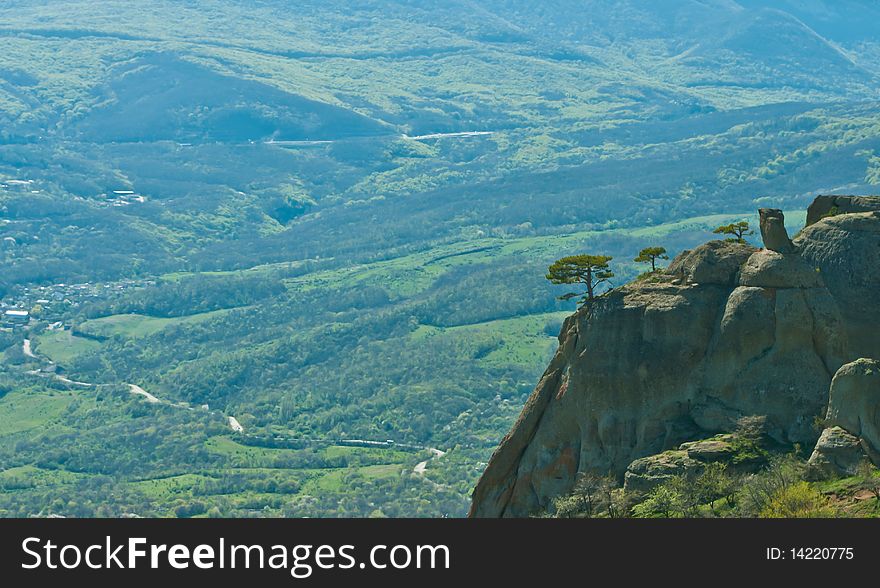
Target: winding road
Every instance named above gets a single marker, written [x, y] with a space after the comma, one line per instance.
[235, 425]
[419, 469]
[312, 143]
[27, 349]
[422, 467]
[135, 389]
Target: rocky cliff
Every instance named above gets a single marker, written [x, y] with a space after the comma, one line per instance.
[726, 331]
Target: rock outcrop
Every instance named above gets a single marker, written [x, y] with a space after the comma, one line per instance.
[646, 473]
[831, 205]
[837, 453]
[728, 331]
[846, 250]
[853, 420]
[773, 230]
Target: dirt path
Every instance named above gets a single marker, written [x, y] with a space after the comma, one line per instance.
[66, 380]
[26, 349]
[235, 425]
[450, 135]
[422, 467]
[135, 389]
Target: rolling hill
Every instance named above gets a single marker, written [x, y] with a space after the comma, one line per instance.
[331, 220]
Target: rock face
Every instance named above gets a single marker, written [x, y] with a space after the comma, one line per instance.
[846, 250]
[773, 230]
[837, 453]
[708, 450]
[824, 206]
[853, 420]
[716, 262]
[728, 332]
[646, 473]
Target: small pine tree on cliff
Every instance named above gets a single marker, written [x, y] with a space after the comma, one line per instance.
[651, 255]
[739, 230]
[589, 270]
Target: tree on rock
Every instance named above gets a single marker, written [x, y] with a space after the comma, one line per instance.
[739, 230]
[651, 255]
[589, 270]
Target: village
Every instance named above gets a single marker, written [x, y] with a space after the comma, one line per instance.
[26, 305]
[116, 198]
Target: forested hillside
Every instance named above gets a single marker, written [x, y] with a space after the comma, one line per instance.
[331, 222]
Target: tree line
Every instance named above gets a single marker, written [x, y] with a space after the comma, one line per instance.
[592, 271]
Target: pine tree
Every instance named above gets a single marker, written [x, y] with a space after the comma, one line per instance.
[589, 270]
[739, 230]
[651, 255]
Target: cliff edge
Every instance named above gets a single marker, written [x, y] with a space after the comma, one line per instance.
[726, 331]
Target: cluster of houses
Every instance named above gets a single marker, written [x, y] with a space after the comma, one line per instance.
[122, 198]
[15, 318]
[19, 186]
[50, 303]
[112, 198]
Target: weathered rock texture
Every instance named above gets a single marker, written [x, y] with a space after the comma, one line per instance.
[853, 420]
[728, 332]
[773, 230]
[831, 205]
[846, 250]
[837, 453]
[646, 473]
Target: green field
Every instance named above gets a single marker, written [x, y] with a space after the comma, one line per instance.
[31, 410]
[135, 325]
[521, 341]
[34, 477]
[336, 480]
[63, 347]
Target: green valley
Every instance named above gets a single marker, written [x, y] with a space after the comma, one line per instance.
[328, 224]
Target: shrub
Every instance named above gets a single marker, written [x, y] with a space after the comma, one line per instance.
[758, 490]
[663, 502]
[798, 500]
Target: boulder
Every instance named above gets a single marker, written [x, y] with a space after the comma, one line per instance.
[837, 453]
[769, 269]
[645, 474]
[716, 262]
[831, 205]
[846, 251]
[854, 402]
[709, 450]
[773, 230]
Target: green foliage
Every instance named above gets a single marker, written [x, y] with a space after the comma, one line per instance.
[869, 478]
[592, 496]
[748, 441]
[739, 230]
[760, 490]
[64, 347]
[379, 285]
[798, 500]
[651, 255]
[589, 270]
[664, 501]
